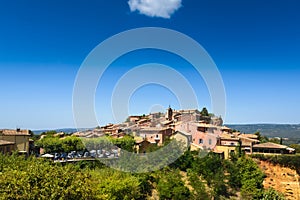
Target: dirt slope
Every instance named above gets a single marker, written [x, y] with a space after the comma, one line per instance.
[282, 179]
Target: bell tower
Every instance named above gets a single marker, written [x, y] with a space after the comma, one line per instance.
[170, 114]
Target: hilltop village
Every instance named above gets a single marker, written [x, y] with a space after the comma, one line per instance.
[191, 176]
[198, 130]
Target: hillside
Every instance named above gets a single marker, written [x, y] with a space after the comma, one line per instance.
[65, 130]
[270, 130]
[282, 179]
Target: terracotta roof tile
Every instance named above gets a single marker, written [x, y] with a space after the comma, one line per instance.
[14, 132]
[270, 145]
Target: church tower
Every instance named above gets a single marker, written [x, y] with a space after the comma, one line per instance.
[170, 114]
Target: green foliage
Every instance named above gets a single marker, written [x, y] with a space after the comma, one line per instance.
[49, 133]
[50, 144]
[145, 184]
[55, 144]
[261, 138]
[39, 179]
[97, 143]
[208, 166]
[171, 186]
[199, 191]
[234, 177]
[271, 194]
[125, 143]
[204, 112]
[296, 147]
[116, 185]
[291, 161]
[251, 178]
[184, 162]
[211, 167]
[83, 164]
[207, 177]
[72, 143]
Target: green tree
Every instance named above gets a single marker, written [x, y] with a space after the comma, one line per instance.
[33, 178]
[199, 191]
[204, 112]
[261, 138]
[50, 144]
[125, 143]
[72, 143]
[184, 162]
[49, 133]
[234, 177]
[116, 185]
[211, 167]
[296, 147]
[171, 186]
[251, 178]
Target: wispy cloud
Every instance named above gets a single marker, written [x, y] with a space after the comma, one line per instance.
[155, 8]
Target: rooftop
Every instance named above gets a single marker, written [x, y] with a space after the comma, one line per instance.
[252, 136]
[270, 145]
[14, 132]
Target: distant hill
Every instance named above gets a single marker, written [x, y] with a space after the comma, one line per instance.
[270, 130]
[65, 130]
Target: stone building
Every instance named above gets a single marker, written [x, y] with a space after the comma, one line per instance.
[20, 139]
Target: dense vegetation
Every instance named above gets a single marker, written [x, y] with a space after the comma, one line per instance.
[55, 144]
[190, 177]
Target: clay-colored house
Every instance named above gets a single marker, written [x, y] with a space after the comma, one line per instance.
[272, 148]
[183, 137]
[19, 137]
[6, 146]
[156, 135]
[227, 144]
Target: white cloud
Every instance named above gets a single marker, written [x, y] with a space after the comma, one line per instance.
[155, 8]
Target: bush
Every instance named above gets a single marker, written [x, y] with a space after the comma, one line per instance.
[39, 179]
[170, 186]
[271, 194]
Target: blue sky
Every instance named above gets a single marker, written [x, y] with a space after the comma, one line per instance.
[255, 45]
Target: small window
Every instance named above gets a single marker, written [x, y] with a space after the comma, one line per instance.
[200, 141]
[209, 141]
[232, 144]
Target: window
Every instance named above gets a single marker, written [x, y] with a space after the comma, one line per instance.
[209, 141]
[200, 141]
[231, 144]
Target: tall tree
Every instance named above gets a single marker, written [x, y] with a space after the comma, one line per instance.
[204, 112]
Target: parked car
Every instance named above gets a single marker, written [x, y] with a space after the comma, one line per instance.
[63, 155]
[56, 156]
[86, 154]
